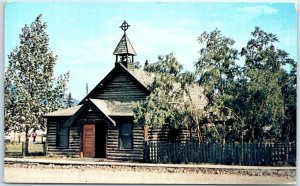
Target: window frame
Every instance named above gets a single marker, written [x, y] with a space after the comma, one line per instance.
[58, 136]
[121, 136]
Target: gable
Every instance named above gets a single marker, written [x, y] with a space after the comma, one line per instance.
[119, 85]
[120, 88]
[89, 112]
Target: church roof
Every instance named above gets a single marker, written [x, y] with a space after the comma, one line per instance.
[117, 108]
[143, 77]
[114, 108]
[195, 91]
[139, 76]
[124, 47]
[64, 112]
[109, 108]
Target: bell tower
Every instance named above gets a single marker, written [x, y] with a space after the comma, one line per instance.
[124, 51]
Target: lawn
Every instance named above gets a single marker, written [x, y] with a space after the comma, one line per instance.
[14, 147]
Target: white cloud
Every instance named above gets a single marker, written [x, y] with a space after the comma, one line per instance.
[258, 10]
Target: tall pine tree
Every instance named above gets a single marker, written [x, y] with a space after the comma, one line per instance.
[69, 100]
[30, 87]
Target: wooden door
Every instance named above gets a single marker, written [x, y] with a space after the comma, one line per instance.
[89, 140]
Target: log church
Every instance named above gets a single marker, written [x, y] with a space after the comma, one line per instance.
[101, 125]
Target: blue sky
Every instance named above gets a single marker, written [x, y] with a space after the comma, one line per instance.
[84, 35]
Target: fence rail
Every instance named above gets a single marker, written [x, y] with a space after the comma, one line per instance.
[230, 154]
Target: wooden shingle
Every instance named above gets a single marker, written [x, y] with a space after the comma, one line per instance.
[124, 47]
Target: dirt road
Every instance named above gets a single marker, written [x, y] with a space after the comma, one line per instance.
[100, 175]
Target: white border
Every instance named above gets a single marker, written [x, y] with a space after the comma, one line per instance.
[2, 13]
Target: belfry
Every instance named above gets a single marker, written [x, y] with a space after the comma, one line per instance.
[124, 51]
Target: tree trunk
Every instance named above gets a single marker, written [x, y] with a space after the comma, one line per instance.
[224, 135]
[26, 140]
[250, 133]
[199, 134]
[221, 80]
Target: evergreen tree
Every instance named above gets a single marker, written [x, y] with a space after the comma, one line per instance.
[30, 88]
[70, 100]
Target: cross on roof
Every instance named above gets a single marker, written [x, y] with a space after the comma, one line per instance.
[124, 26]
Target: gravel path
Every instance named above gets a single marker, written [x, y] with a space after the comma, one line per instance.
[44, 174]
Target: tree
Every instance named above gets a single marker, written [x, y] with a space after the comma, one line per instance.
[288, 89]
[216, 70]
[137, 65]
[266, 99]
[69, 100]
[30, 88]
[169, 101]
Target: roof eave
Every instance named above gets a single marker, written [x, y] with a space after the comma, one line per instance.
[75, 116]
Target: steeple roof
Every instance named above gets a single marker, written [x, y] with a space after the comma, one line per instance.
[124, 47]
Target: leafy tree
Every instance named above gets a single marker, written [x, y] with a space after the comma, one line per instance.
[216, 70]
[169, 101]
[30, 88]
[267, 92]
[258, 99]
[288, 89]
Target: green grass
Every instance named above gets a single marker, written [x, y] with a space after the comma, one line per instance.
[13, 147]
[17, 148]
[34, 148]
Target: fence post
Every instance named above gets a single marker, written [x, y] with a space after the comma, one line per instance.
[45, 148]
[174, 153]
[266, 157]
[245, 159]
[153, 152]
[271, 153]
[221, 153]
[286, 154]
[231, 153]
[148, 151]
[156, 151]
[153, 159]
[250, 153]
[23, 149]
[206, 152]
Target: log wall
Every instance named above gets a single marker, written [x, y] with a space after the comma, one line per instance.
[120, 88]
[73, 149]
[134, 154]
[113, 151]
[167, 135]
[75, 133]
